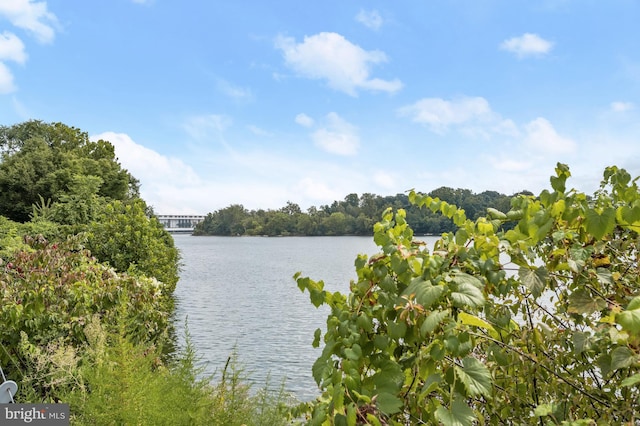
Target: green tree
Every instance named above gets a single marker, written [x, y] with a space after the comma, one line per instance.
[127, 239]
[40, 160]
[226, 221]
[539, 323]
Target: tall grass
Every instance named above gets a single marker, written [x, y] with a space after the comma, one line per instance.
[114, 381]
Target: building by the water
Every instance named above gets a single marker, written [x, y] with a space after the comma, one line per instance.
[179, 222]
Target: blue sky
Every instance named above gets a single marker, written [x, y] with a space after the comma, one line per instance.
[211, 103]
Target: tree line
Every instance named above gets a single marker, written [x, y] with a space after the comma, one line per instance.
[355, 215]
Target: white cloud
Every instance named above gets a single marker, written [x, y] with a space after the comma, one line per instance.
[619, 106]
[370, 19]
[338, 136]
[329, 56]
[315, 190]
[541, 136]
[506, 164]
[12, 48]
[202, 127]
[234, 92]
[6, 80]
[31, 16]
[166, 182]
[527, 45]
[258, 131]
[304, 120]
[440, 114]
[384, 180]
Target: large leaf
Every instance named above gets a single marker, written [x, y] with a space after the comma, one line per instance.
[467, 295]
[468, 319]
[475, 377]
[600, 224]
[390, 377]
[631, 381]
[425, 293]
[460, 414]
[582, 302]
[432, 321]
[467, 291]
[622, 357]
[535, 279]
[629, 216]
[388, 403]
[630, 319]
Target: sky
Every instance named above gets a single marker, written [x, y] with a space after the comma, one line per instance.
[213, 103]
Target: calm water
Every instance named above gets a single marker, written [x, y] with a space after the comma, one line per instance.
[239, 292]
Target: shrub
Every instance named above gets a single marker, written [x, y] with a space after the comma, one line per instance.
[130, 241]
[50, 292]
[539, 323]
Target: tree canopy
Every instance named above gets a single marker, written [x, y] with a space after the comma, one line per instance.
[355, 215]
[43, 161]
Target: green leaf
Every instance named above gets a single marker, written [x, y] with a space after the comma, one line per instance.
[634, 304]
[316, 338]
[543, 410]
[600, 224]
[630, 381]
[397, 330]
[388, 403]
[354, 353]
[432, 321]
[431, 383]
[426, 293]
[475, 377]
[390, 377]
[473, 320]
[630, 319]
[467, 295]
[460, 414]
[317, 297]
[467, 291]
[629, 216]
[622, 357]
[582, 302]
[535, 279]
[318, 369]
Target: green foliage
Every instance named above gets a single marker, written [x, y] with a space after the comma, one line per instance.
[41, 161]
[353, 216]
[127, 239]
[520, 316]
[112, 380]
[50, 292]
[120, 382]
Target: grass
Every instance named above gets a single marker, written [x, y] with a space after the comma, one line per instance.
[114, 381]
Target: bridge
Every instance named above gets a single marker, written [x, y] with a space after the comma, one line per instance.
[179, 222]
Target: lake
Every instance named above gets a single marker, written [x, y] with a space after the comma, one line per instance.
[239, 293]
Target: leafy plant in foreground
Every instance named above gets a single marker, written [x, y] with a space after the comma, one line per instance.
[536, 324]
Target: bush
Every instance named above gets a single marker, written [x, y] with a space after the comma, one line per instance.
[538, 323]
[113, 380]
[50, 291]
[130, 241]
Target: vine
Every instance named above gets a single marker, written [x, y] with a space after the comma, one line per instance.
[530, 315]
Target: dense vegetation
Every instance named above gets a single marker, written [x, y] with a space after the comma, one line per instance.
[353, 216]
[538, 323]
[86, 280]
[524, 312]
